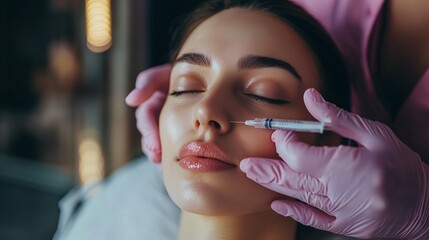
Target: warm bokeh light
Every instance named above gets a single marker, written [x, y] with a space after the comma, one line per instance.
[64, 65]
[98, 25]
[91, 163]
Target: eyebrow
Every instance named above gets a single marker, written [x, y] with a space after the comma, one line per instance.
[253, 61]
[247, 62]
[195, 59]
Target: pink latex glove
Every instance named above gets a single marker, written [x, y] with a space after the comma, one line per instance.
[150, 93]
[378, 189]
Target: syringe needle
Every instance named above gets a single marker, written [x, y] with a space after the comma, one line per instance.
[236, 122]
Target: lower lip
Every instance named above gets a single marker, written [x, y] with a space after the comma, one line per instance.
[204, 164]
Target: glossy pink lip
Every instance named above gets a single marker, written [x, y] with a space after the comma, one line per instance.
[204, 157]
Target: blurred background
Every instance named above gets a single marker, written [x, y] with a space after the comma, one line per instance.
[63, 118]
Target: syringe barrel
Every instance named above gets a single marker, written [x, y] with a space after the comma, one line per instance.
[287, 124]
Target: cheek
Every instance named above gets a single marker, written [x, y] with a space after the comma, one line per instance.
[173, 123]
[256, 143]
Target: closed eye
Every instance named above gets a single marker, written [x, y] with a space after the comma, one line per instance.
[266, 100]
[179, 93]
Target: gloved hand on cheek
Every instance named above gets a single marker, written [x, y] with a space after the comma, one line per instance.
[378, 189]
[150, 94]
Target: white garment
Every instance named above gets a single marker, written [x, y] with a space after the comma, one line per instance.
[131, 204]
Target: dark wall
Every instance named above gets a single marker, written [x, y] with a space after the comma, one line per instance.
[162, 15]
[23, 44]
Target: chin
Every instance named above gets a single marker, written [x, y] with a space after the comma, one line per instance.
[206, 198]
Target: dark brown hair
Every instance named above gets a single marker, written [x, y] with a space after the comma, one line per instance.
[335, 87]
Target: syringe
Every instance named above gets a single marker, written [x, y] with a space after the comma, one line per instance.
[286, 124]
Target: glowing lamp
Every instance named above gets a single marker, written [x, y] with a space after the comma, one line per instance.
[98, 25]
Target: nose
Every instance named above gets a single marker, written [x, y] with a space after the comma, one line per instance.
[211, 116]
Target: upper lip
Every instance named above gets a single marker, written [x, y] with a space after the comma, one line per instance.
[204, 150]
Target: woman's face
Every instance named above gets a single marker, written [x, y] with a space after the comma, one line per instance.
[239, 64]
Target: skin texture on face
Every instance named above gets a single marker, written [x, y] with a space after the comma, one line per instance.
[233, 67]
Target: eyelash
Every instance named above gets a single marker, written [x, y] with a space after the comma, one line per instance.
[179, 93]
[267, 100]
[255, 97]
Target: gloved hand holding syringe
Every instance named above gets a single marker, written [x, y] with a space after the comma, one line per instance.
[286, 124]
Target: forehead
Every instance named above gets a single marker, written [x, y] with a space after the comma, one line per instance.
[233, 33]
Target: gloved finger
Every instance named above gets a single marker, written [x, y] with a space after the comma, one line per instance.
[149, 81]
[305, 158]
[152, 152]
[303, 213]
[147, 116]
[278, 176]
[346, 124]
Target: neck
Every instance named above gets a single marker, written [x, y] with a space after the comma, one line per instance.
[263, 225]
[407, 26]
[404, 48]
[409, 16]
